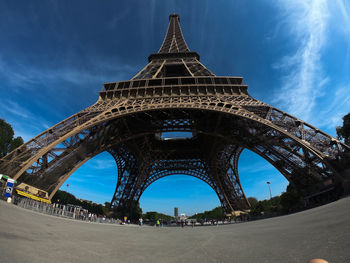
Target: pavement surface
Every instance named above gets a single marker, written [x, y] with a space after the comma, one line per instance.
[322, 232]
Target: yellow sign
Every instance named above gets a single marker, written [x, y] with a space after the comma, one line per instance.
[33, 197]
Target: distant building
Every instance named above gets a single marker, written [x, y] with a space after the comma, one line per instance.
[176, 212]
[183, 217]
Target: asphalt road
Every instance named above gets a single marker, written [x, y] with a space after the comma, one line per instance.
[322, 232]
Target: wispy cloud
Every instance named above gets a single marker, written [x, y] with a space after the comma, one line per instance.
[102, 164]
[303, 77]
[339, 107]
[124, 13]
[24, 122]
[14, 108]
[23, 77]
[22, 74]
[258, 167]
[344, 8]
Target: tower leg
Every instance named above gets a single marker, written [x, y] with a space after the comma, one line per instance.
[127, 176]
[228, 185]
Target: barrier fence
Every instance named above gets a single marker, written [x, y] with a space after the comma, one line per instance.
[78, 213]
[66, 211]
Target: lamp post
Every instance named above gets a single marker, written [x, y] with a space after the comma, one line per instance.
[268, 183]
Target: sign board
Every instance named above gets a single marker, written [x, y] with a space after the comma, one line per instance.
[5, 177]
[9, 187]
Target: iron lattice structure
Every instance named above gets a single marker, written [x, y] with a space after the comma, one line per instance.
[174, 92]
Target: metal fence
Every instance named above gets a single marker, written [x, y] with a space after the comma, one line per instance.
[65, 211]
[78, 213]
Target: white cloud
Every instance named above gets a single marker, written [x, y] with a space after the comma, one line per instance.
[257, 167]
[14, 108]
[102, 164]
[308, 91]
[24, 122]
[303, 80]
[344, 9]
[21, 75]
[24, 75]
[124, 13]
[340, 106]
[345, 24]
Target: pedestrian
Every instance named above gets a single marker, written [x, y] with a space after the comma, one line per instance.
[158, 223]
[140, 221]
[182, 223]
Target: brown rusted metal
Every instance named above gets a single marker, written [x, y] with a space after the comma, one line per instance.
[174, 92]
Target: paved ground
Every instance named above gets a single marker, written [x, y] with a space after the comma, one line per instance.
[322, 232]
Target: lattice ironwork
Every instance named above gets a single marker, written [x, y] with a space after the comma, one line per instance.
[175, 92]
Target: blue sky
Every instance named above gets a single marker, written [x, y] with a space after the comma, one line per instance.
[56, 55]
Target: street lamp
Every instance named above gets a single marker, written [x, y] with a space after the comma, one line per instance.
[268, 183]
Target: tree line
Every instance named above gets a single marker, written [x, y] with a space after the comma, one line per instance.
[288, 202]
[153, 216]
[132, 210]
[64, 198]
[343, 132]
[7, 140]
[214, 214]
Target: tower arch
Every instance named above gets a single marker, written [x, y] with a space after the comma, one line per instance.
[175, 92]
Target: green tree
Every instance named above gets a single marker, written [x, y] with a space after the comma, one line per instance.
[153, 216]
[291, 200]
[271, 206]
[107, 208]
[215, 214]
[63, 197]
[258, 209]
[343, 133]
[7, 141]
[252, 201]
[131, 209]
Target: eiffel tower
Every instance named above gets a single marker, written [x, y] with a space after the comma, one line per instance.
[139, 122]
